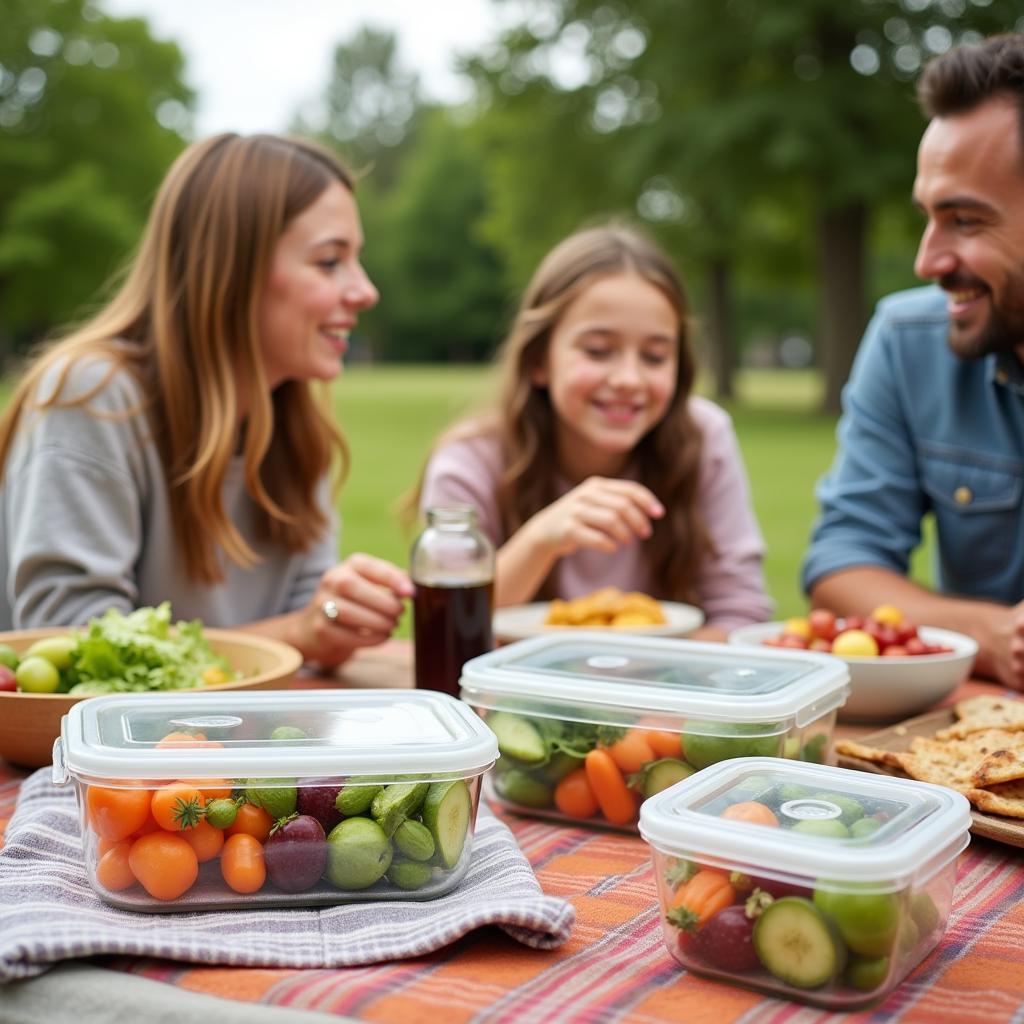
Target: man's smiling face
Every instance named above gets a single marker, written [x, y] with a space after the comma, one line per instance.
[970, 186]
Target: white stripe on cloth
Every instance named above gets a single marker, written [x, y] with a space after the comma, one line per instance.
[49, 912]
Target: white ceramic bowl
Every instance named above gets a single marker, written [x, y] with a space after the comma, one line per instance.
[885, 689]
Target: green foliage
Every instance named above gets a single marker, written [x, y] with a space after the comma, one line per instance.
[82, 148]
[421, 198]
[442, 284]
[757, 128]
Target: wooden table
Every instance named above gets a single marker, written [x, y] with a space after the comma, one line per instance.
[614, 968]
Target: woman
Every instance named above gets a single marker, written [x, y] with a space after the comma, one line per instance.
[174, 446]
[598, 466]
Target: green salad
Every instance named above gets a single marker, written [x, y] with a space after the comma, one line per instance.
[120, 653]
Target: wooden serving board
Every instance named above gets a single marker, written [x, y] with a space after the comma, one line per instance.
[898, 737]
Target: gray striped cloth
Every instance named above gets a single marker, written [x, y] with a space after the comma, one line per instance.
[49, 912]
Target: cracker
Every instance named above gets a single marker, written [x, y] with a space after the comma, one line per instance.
[981, 755]
[1004, 765]
[985, 712]
[1007, 798]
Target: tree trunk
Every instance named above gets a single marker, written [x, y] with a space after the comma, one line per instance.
[721, 352]
[843, 231]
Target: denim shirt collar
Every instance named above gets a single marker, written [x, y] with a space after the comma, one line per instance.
[1005, 368]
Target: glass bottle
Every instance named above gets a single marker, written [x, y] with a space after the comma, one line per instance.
[452, 567]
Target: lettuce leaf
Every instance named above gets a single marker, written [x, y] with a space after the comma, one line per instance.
[141, 651]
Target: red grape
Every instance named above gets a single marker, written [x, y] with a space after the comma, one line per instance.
[726, 940]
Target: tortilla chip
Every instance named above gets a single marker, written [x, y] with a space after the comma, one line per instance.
[1006, 798]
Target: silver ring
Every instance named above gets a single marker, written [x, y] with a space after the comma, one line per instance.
[330, 610]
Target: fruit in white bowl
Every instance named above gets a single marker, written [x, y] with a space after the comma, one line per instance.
[896, 681]
[885, 632]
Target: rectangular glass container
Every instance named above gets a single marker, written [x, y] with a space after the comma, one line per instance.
[193, 801]
[591, 723]
[803, 881]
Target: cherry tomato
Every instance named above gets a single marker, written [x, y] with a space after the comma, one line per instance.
[178, 806]
[241, 863]
[164, 863]
[116, 813]
[252, 821]
[113, 871]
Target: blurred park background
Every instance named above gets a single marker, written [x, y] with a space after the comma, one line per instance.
[768, 144]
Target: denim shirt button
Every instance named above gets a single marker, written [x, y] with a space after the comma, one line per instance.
[963, 496]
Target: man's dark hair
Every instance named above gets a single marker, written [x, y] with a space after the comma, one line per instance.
[968, 75]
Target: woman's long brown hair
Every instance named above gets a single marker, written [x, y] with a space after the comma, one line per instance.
[185, 323]
[667, 459]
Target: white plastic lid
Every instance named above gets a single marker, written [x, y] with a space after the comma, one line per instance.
[353, 732]
[920, 826]
[594, 674]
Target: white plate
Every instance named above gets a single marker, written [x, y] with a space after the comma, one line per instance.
[520, 621]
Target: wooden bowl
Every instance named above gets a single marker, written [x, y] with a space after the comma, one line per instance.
[30, 722]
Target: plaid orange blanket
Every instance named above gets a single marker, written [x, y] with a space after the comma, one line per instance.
[614, 968]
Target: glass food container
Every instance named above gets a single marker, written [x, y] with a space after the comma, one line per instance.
[803, 881]
[590, 723]
[191, 801]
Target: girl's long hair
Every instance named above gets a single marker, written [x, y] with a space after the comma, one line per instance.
[667, 459]
[185, 324]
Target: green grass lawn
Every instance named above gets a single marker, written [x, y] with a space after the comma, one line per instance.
[392, 414]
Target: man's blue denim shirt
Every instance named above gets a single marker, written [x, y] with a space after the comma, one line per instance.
[924, 431]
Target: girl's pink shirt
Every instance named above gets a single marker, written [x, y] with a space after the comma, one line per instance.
[730, 584]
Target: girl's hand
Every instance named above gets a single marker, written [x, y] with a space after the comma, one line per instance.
[357, 604]
[599, 513]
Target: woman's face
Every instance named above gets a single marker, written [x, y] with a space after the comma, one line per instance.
[316, 289]
[610, 371]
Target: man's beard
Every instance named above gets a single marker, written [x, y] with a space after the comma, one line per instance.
[1003, 331]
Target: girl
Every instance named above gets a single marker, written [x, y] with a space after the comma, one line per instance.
[599, 467]
[173, 447]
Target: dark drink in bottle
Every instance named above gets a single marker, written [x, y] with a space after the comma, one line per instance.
[452, 566]
[452, 624]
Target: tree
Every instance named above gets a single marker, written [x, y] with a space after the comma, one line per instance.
[371, 106]
[421, 196]
[442, 281]
[805, 107]
[92, 111]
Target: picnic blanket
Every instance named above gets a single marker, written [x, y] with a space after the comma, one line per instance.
[49, 912]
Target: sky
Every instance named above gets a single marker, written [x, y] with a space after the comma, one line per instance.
[253, 63]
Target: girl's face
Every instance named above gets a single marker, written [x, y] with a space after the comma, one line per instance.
[610, 370]
[316, 290]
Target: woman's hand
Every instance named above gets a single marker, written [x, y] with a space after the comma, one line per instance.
[600, 513]
[357, 604]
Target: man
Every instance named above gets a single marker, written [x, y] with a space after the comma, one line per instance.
[933, 414]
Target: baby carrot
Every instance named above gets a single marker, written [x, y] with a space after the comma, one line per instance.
[614, 798]
[632, 752]
[574, 797]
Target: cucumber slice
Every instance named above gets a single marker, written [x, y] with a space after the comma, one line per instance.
[446, 812]
[517, 737]
[519, 787]
[794, 942]
[659, 775]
